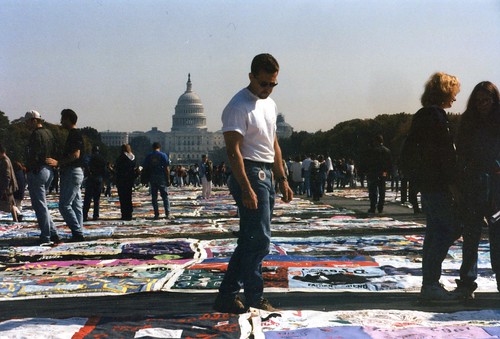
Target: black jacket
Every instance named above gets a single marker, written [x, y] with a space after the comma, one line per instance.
[378, 163]
[40, 147]
[429, 155]
[125, 169]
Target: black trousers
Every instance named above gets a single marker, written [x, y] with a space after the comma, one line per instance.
[125, 195]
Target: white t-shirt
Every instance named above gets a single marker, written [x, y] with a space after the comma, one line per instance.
[296, 170]
[306, 163]
[255, 120]
[329, 164]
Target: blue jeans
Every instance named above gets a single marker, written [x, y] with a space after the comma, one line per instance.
[70, 200]
[162, 188]
[440, 233]
[38, 185]
[245, 267]
[307, 183]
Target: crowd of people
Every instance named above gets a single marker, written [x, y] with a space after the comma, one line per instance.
[312, 174]
[458, 178]
[75, 171]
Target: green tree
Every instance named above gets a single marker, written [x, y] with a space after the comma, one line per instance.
[4, 122]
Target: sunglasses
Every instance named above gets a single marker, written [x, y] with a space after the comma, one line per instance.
[265, 84]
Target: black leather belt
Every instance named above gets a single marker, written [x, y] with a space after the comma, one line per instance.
[263, 165]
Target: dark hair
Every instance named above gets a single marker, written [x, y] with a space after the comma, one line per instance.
[2, 149]
[156, 145]
[487, 87]
[70, 114]
[264, 62]
[126, 148]
[470, 116]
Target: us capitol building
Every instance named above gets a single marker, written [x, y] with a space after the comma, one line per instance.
[189, 138]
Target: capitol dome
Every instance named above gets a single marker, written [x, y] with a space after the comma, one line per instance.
[189, 111]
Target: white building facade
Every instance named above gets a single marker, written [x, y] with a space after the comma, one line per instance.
[188, 139]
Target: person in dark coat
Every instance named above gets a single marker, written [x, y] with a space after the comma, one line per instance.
[430, 153]
[478, 148]
[125, 174]
[8, 184]
[96, 171]
[378, 166]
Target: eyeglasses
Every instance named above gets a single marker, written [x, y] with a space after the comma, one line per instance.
[265, 84]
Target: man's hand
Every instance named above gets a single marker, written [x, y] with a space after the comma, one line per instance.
[249, 199]
[286, 191]
[51, 162]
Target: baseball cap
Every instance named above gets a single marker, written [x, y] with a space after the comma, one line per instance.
[32, 115]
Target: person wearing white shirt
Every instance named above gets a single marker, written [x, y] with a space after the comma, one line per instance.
[249, 128]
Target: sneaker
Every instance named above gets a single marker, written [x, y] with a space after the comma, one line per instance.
[264, 304]
[46, 243]
[229, 304]
[436, 292]
[465, 290]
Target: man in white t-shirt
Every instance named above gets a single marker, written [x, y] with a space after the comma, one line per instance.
[249, 127]
[306, 164]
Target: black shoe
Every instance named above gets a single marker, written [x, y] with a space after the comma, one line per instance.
[55, 239]
[371, 210]
[465, 290]
[264, 304]
[229, 304]
[77, 238]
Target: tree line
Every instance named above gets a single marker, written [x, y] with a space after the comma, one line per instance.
[349, 139]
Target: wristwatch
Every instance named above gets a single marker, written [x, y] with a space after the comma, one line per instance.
[281, 179]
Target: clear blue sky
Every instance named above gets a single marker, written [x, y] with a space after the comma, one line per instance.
[122, 64]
